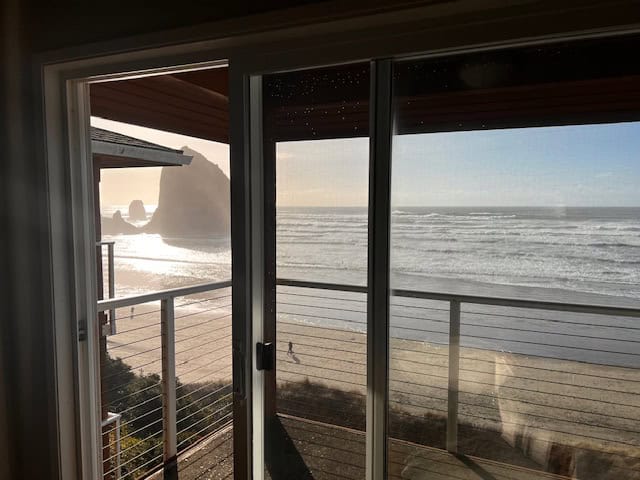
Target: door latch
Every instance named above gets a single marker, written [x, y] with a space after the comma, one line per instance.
[265, 356]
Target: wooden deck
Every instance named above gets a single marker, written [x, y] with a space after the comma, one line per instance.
[309, 450]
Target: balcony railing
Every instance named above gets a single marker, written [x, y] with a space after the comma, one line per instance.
[555, 371]
[540, 376]
[158, 417]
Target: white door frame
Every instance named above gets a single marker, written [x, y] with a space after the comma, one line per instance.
[260, 44]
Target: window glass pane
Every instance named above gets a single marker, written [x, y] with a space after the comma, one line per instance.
[515, 176]
[162, 221]
[316, 137]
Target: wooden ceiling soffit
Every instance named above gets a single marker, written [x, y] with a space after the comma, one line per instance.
[606, 100]
[164, 103]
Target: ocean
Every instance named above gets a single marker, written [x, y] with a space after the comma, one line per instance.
[562, 253]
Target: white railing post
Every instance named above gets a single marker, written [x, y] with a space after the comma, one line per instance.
[115, 419]
[118, 449]
[454, 372]
[112, 287]
[169, 422]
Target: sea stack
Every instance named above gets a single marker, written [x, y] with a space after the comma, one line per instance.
[136, 211]
[193, 200]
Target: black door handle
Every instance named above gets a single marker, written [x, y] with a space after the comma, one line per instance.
[265, 356]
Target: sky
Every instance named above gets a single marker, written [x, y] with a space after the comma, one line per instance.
[121, 186]
[592, 165]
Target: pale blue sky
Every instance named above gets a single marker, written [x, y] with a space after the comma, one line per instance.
[592, 165]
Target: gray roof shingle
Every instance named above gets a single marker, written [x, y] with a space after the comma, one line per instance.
[101, 135]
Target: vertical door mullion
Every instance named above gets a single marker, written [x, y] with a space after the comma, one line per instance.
[258, 273]
[378, 269]
[240, 170]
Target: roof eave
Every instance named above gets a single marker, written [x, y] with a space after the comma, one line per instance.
[115, 155]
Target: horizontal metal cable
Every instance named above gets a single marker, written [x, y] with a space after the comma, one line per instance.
[434, 320]
[445, 389]
[308, 325]
[504, 328]
[134, 355]
[226, 397]
[553, 320]
[134, 458]
[421, 307]
[314, 345]
[131, 434]
[115, 303]
[286, 282]
[324, 337]
[316, 376]
[110, 349]
[502, 409]
[532, 355]
[573, 397]
[202, 323]
[322, 367]
[322, 317]
[208, 342]
[322, 307]
[137, 392]
[226, 417]
[135, 419]
[208, 384]
[198, 380]
[205, 418]
[541, 429]
[617, 367]
[140, 404]
[196, 302]
[206, 334]
[148, 437]
[517, 377]
[201, 312]
[203, 397]
[464, 324]
[445, 377]
[200, 367]
[324, 357]
[204, 355]
[322, 298]
[142, 327]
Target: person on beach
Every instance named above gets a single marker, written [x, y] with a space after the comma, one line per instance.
[290, 351]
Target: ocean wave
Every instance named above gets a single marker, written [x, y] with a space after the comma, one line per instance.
[612, 244]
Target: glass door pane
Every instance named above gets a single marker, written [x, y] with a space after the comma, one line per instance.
[516, 213]
[316, 157]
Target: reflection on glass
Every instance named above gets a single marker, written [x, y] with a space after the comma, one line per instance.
[551, 214]
[316, 123]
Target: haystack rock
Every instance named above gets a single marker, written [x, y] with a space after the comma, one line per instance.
[193, 200]
[137, 211]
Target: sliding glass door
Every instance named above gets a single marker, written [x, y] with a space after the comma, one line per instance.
[445, 267]
[316, 158]
[515, 217]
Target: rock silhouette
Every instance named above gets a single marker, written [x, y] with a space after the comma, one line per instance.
[137, 211]
[193, 201]
[117, 225]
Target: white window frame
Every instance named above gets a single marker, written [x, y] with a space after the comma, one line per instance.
[262, 44]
